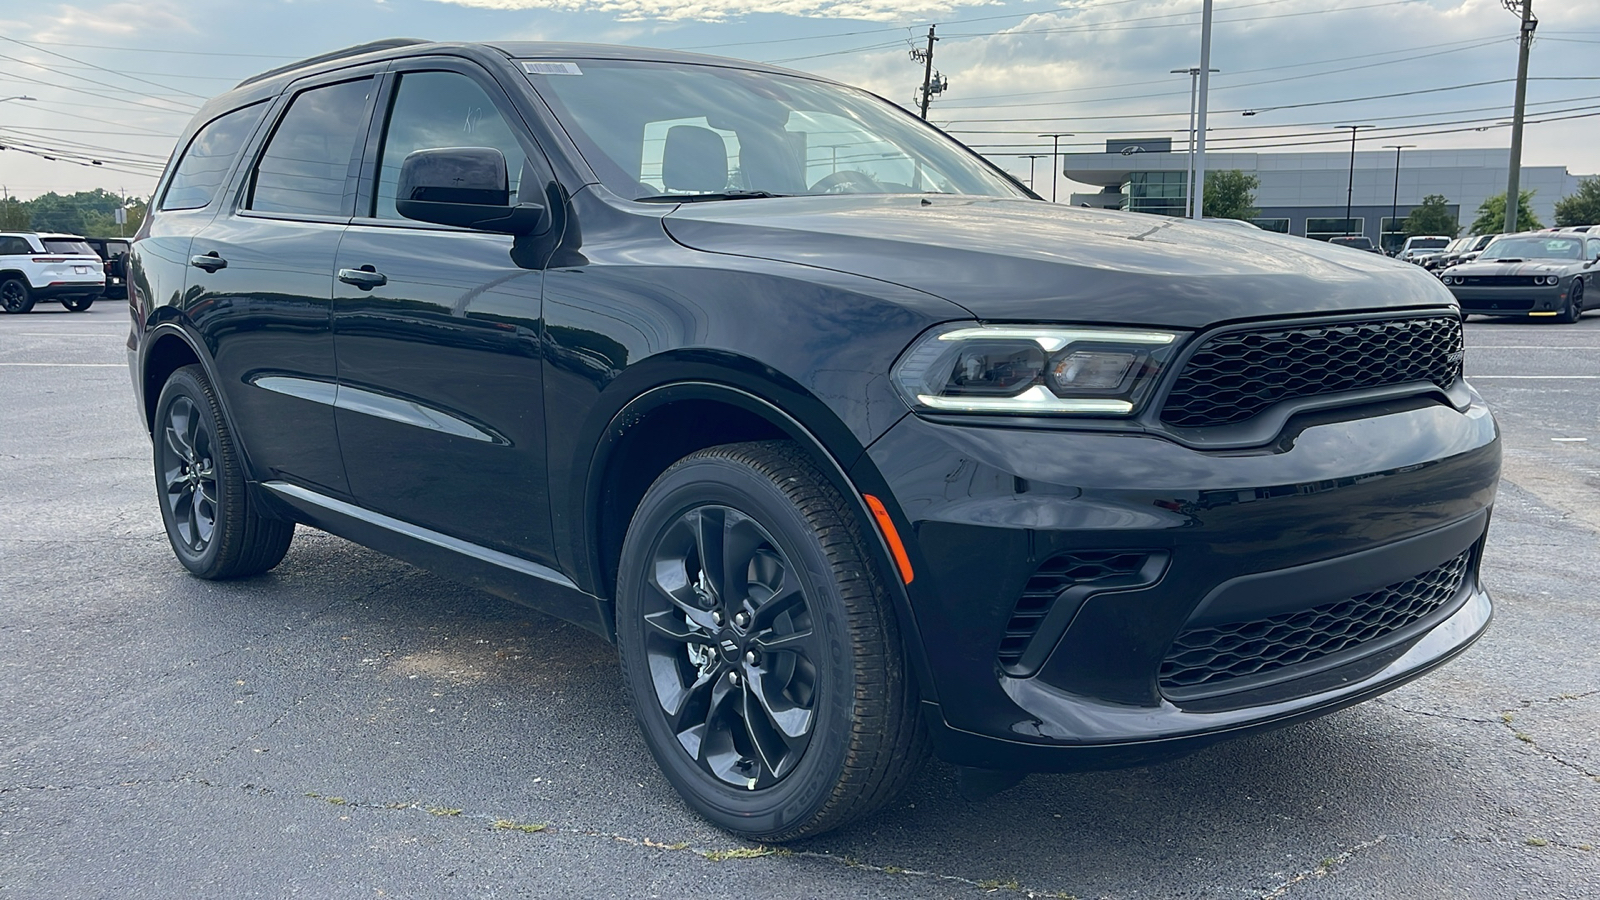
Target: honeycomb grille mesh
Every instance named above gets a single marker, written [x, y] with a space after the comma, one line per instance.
[1207, 658]
[1056, 575]
[1235, 375]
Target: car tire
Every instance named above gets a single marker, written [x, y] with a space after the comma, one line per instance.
[200, 479]
[781, 707]
[1573, 310]
[78, 304]
[15, 296]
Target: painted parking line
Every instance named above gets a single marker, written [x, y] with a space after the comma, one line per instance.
[1536, 377]
[67, 365]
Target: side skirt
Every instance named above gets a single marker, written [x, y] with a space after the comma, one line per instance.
[501, 574]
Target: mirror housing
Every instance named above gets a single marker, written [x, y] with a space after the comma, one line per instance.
[463, 186]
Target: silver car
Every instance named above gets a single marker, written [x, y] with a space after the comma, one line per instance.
[1545, 274]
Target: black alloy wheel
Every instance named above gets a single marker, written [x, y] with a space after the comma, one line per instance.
[1573, 310]
[732, 653]
[759, 650]
[15, 297]
[204, 503]
[78, 304]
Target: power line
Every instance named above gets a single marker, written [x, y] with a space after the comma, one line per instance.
[101, 68]
[15, 77]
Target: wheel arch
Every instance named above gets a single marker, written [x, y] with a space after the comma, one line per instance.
[667, 422]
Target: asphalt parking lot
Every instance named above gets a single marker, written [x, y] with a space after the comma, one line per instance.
[349, 726]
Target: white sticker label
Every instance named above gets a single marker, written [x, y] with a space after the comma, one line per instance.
[551, 68]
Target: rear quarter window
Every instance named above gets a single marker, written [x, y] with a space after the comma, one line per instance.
[14, 246]
[206, 161]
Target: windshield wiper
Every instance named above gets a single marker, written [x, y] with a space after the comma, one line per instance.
[712, 195]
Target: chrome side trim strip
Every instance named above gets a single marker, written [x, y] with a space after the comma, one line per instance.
[416, 532]
[406, 412]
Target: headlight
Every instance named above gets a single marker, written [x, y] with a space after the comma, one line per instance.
[1034, 369]
[1552, 279]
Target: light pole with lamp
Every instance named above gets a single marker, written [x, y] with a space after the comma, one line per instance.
[1351, 189]
[1194, 91]
[1055, 158]
[1394, 205]
[1030, 157]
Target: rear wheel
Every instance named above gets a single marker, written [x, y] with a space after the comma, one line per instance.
[78, 304]
[204, 503]
[758, 648]
[15, 297]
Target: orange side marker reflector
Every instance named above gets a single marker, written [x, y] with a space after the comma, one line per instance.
[886, 525]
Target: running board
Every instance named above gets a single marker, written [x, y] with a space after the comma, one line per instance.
[512, 577]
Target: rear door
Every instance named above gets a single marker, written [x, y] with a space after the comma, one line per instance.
[261, 278]
[438, 330]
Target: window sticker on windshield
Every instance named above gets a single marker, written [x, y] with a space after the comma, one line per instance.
[551, 68]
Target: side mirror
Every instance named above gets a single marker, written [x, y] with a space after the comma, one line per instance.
[463, 186]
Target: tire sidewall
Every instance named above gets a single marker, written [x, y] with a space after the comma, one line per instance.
[805, 791]
[186, 384]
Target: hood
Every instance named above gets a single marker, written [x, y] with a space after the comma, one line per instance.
[1525, 267]
[1026, 260]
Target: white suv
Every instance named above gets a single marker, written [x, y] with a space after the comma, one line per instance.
[36, 267]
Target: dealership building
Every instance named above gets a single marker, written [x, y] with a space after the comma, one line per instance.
[1304, 193]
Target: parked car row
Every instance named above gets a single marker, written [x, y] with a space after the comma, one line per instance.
[1540, 273]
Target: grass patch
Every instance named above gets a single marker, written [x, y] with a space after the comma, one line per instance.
[1537, 842]
[524, 827]
[442, 810]
[738, 853]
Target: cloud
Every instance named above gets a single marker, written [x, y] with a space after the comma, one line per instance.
[724, 10]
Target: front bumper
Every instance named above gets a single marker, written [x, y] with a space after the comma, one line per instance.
[1511, 301]
[1331, 511]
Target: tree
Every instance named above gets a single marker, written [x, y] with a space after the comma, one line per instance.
[1582, 208]
[1231, 195]
[14, 215]
[1492, 214]
[1432, 217]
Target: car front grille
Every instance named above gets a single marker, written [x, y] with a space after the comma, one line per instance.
[1237, 374]
[1055, 576]
[1204, 660]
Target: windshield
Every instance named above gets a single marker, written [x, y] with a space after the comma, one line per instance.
[670, 131]
[68, 245]
[1533, 248]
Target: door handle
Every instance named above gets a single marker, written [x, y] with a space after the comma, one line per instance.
[210, 262]
[365, 277]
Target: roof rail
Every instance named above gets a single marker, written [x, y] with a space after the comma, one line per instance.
[357, 50]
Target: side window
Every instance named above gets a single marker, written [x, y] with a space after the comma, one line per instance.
[303, 169]
[210, 155]
[14, 246]
[440, 109]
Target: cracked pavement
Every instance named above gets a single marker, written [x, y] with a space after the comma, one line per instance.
[351, 726]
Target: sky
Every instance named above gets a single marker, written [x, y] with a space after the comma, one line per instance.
[116, 81]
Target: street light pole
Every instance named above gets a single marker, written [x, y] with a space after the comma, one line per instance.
[1194, 90]
[1394, 206]
[1349, 191]
[1055, 158]
[1031, 157]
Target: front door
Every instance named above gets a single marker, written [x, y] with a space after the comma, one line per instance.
[438, 335]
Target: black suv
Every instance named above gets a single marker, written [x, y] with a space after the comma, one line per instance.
[853, 445]
[114, 251]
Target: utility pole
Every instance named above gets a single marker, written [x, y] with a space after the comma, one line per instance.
[1350, 190]
[1199, 210]
[1514, 179]
[1055, 158]
[1394, 205]
[926, 57]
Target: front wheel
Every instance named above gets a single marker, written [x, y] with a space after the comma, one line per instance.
[759, 651]
[205, 506]
[15, 296]
[1573, 310]
[78, 304]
